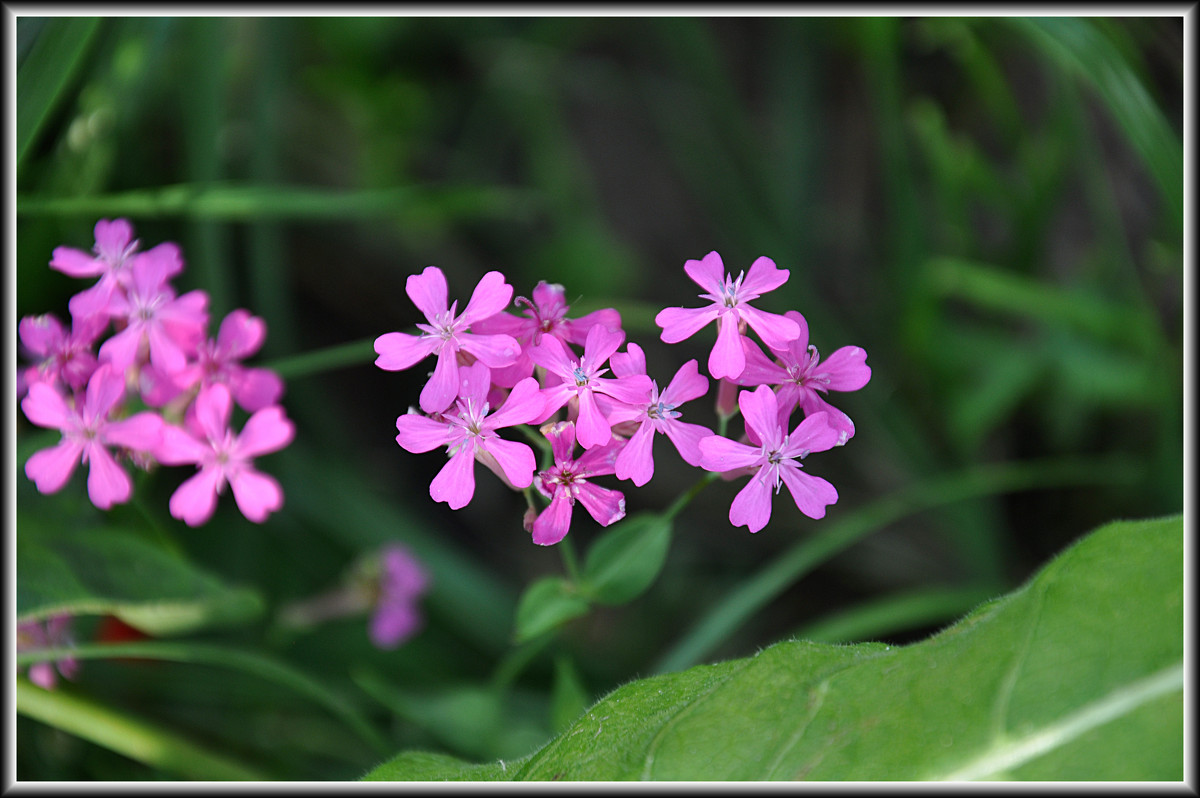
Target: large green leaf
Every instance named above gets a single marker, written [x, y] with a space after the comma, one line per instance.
[107, 570]
[1078, 675]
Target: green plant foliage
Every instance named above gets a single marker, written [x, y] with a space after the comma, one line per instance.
[107, 570]
[548, 603]
[1048, 682]
[621, 565]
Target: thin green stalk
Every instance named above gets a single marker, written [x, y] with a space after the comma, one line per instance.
[732, 612]
[133, 737]
[570, 559]
[217, 655]
[686, 497]
[329, 358]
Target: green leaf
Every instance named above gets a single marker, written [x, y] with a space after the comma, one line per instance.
[111, 571]
[546, 605]
[1077, 675]
[570, 698]
[623, 563]
[45, 74]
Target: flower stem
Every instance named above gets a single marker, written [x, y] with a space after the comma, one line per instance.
[686, 497]
[317, 361]
[570, 560]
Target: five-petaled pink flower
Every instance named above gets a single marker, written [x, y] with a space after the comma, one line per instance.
[469, 433]
[730, 307]
[775, 460]
[170, 326]
[86, 431]
[800, 374]
[223, 457]
[566, 482]
[64, 355]
[447, 333]
[402, 581]
[240, 336]
[581, 378]
[657, 414]
[545, 315]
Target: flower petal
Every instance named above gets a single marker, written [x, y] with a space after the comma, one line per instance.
[525, 405]
[195, 500]
[679, 324]
[241, 335]
[686, 438]
[108, 484]
[496, 351]
[552, 355]
[76, 262]
[727, 360]
[636, 460]
[687, 384]
[631, 361]
[491, 295]
[846, 369]
[212, 407]
[255, 389]
[177, 447]
[455, 483]
[427, 291]
[605, 505]
[267, 430]
[257, 494]
[600, 344]
[775, 331]
[442, 388]
[591, 427]
[421, 434]
[708, 272]
[51, 468]
[141, 432]
[554, 522]
[45, 407]
[516, 460]
[398, 351]
[752, 506]
[762, 277]
[760, 369]
[815, 433]
[720, 454]
[812, 493]
[761, 412]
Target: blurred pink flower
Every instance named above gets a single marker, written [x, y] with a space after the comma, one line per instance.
[730, 308]
[87, 430]
[447, 333]
[469, 434]
[240, 336]
[170, 326]
[63, 355]
[54, 632]
[566, 482]
[775, 460]
[224, 457]
[402, 581]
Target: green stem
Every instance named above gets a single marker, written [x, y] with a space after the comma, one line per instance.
[320, 360]
[734, 610]
[570, 560]
[686, 497]
[127, 735]
[217, 655]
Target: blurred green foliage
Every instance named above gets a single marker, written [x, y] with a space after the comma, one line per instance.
[991, 207]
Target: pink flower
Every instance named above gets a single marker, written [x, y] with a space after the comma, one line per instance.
[469, 433]
[241, 335]
[446, 334]
[580, 378]
[775, 460]
[56, 633]
[172, 327]
[401, 584]
[114, 250]
[802, 375]
[545, 315]
[657, 414]
[566, 482]
[65, 356]
[86, 433]
[224, 457]
[730, 308]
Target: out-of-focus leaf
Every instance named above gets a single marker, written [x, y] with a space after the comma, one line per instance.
[569, 698]
[45, 73]
[547, 604]
[1077, 675]
[110, 571]
[623, 563]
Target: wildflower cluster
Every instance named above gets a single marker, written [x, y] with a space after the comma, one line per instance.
[596, 408]
[156, 390]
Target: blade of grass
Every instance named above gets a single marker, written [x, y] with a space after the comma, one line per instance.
[43, 77]
[756, 592]
[208, 654]
[133, 737]
[874, 619]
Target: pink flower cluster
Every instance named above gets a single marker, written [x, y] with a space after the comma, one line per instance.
[495, 369]
[157, 390]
